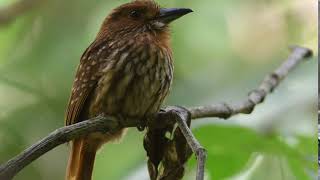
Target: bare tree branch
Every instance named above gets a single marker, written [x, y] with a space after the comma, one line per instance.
[54, 139]
[257, 96]
[168, 116]
[14, 10]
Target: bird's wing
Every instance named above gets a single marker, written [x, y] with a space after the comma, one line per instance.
[86, 79]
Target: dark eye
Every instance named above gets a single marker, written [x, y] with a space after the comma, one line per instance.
[135, 14]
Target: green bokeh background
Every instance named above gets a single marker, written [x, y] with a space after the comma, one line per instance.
[221, 51]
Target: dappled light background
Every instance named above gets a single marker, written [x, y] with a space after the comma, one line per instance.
[222, 51]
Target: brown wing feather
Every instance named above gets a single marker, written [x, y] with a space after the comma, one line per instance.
[74, 109]
[85, 81]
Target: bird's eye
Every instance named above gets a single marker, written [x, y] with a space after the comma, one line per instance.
[135, 14]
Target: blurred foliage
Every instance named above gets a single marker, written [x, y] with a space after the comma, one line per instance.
[221, 52]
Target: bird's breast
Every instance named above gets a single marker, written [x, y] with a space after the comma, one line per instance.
[135, 80]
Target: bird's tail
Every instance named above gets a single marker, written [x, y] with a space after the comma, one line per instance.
[81, 160]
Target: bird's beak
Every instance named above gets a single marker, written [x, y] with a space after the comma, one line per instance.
[168, 15]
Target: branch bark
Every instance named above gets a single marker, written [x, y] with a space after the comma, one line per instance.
[257, 96]
[168, 116]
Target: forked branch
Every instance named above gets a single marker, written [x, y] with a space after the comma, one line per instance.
[180, 116]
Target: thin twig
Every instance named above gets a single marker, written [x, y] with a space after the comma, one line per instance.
[182, 117]
[9, 169]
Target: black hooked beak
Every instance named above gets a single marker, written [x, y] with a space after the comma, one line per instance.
[168, 15]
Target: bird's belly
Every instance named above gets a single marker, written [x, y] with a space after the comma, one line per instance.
[134, 93]
[143, 97]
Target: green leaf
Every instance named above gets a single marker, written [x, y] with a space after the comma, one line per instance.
[230, 150]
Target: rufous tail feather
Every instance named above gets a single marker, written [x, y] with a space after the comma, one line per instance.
[81, 160]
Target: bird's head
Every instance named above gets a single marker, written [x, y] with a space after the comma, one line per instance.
[140, 16]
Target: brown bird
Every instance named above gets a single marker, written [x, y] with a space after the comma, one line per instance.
[126, 72]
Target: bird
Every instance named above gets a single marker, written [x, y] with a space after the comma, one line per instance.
[125, 72]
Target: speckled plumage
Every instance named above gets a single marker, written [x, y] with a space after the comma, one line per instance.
[126, 72]
[130, 79]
